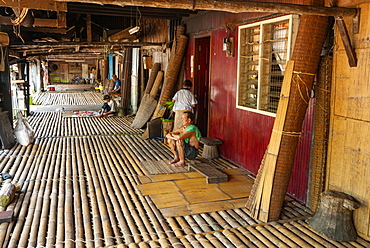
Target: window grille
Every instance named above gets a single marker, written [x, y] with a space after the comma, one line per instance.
[264, 49]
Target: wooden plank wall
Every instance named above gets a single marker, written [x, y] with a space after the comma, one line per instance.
[349, 143]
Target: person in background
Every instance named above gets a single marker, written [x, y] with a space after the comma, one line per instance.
[184, 142]
[109, 107]
[117, 84]
[184, 100]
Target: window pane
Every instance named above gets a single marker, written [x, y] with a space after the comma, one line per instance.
[263, 51]
[249, 57]
[275, 38]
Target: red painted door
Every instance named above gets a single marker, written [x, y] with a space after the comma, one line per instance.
[201, 86]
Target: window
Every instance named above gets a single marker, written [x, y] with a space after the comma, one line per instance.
[264, 49]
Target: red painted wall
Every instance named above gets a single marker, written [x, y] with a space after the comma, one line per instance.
[245, 134]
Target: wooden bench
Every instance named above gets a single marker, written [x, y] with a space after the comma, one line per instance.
[212, 174]
[210, 150]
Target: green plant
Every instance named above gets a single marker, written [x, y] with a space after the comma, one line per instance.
[169, 104]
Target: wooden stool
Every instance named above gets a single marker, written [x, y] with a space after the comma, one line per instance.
[210, 147]
[334, 216]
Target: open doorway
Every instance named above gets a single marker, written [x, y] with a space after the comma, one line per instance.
[201, 77]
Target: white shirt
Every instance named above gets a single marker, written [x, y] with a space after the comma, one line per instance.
[112, 105]
[183, 100]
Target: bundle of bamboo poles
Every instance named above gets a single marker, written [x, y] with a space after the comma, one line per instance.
[171, 75]
[267, 196]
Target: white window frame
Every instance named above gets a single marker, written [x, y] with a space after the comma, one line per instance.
[293, 29]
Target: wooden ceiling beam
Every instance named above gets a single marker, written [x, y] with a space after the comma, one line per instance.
[38, 22]
[349, 3]
[35, 4]
[231, 6]
[111, 45]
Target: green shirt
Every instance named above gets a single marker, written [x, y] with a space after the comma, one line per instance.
[194, 129]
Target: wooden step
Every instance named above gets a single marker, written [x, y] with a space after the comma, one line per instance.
[212, 174]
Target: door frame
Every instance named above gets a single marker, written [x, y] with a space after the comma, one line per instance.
[197, 39]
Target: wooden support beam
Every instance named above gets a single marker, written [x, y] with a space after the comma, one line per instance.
[32, 4]
[231, 6]
[88, 28]
[352, 60]
[348, 3]
[62, 19]
[45, 30]
[39, 22]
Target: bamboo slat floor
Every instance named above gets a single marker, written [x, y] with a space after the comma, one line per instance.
[80, 187]
[67, 98]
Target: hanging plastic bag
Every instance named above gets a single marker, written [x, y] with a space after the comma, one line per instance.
[23, 131]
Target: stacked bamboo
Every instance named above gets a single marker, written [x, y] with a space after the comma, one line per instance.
[67, 98]
[306, 60]
[148, 102]
[173, 69]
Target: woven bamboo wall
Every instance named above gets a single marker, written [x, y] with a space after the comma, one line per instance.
[349, 142]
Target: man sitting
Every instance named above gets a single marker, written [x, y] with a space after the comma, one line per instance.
[184, 142]
[109, 107]
[117, 84]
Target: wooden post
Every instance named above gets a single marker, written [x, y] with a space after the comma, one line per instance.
[352, 60]
[88, 26]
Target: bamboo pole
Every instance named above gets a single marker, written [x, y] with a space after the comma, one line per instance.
[22, 201]
[52, 209]
[202, 223]
[302, 235]
[234, 239]
[40, 215]
[85, 204]
[193, 241]
[296, 239]
[280, 236]
[77, 195]
[211, 222]
[304, 228]
[243, 238]
[237, 217]
[101, 215]
[253, 238]
[27, 187]
[126, 188]
[88, 162]
[28, 235]
[60, 235]
[221, 237]
[110, 200]
[69, 202]
[229, 219]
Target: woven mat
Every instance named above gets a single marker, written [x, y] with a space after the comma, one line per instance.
[154, 167]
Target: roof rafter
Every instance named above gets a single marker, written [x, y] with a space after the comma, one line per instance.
[231, 6]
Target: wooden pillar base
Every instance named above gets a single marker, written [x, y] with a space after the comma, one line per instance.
[334, 216]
